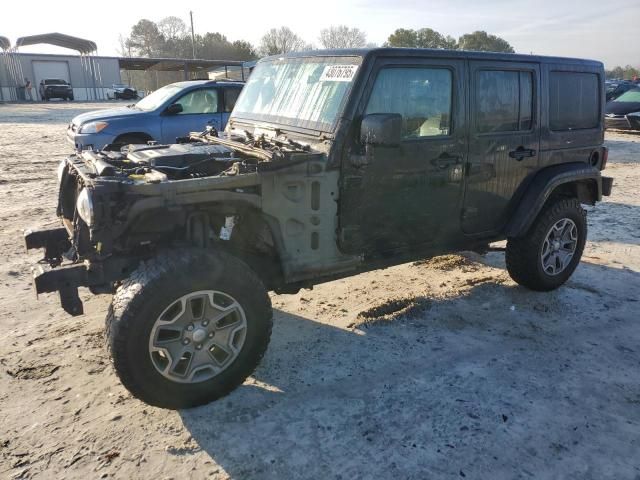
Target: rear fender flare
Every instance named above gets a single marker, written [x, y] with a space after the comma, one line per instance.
[579, 180]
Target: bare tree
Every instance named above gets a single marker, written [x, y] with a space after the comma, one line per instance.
[124, 49]
[172, 28]
[281, 40]
[342, 37]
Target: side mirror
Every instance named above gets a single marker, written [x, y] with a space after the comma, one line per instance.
[174, 109]
[382, 129]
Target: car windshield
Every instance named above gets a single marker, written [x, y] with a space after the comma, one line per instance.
[157, 98]
[632, 95]
[54, 82]
[306, 92]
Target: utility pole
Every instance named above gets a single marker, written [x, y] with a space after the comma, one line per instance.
[193, 36]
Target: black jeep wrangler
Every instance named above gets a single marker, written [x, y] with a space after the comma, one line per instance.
[333, 163]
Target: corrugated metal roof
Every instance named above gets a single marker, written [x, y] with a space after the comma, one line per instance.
[173, 64]
[59, 40]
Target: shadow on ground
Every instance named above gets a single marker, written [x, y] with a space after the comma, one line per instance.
[498, 382]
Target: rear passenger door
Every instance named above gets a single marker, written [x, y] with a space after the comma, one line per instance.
[503, 141]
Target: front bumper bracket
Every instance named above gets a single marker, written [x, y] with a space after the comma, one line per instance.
[50, 276]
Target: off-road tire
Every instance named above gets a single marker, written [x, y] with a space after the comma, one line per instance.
[523, 254]
[152, 287]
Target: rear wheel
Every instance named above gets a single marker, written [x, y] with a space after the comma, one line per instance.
[188, 327]
[548, 254]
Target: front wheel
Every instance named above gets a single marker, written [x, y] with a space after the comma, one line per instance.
[548, 254]
[188, 327]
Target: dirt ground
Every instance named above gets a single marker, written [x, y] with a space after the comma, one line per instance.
[437, 369]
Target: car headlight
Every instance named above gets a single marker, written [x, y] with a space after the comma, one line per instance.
[93, 127]
[61, 166]
[84, 207]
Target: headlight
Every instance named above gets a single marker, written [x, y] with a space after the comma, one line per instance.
[84, 206]
[93, 127]
[61, 166]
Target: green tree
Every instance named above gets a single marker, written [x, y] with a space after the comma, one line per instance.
[481, 41]
[244, 50]
[627, 73]
[429, 38]
[422, 38]
[170, 38]
[145, 39]
[630, 72]
[402, 37]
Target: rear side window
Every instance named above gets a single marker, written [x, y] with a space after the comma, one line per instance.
[504, 101]
[230, 97]
[574, 101]
[423, 96]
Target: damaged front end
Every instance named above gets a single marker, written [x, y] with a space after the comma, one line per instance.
[119, 208]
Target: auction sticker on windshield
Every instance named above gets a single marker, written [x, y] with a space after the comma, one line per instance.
[338, 73]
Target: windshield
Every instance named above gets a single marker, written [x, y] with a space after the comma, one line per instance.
[55, 82]
[157, 98]
[632, 95]
[302, 92]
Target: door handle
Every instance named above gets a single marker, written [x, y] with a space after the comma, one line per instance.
[445, 160]
[521, 153]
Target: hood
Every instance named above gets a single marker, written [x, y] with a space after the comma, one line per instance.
[108, 114]
[621, 108]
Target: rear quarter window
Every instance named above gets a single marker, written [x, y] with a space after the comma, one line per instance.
[574, 101]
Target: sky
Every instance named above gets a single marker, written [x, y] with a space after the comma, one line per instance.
[595, 29]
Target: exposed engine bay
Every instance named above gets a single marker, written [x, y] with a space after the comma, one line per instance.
[196, 156]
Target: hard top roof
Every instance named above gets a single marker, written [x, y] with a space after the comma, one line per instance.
[436, 53]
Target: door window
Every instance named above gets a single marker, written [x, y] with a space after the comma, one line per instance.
[199, 101]
[423, 96]
[230, 97]
[504, 101]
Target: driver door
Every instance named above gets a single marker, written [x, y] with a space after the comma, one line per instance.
[199, 108]
[399, 198]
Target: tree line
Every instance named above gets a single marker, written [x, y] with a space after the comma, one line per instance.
[627, 73]
[171, 38]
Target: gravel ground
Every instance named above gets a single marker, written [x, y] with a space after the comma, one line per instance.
[436, 369]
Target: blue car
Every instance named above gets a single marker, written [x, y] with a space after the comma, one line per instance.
[169, 112]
